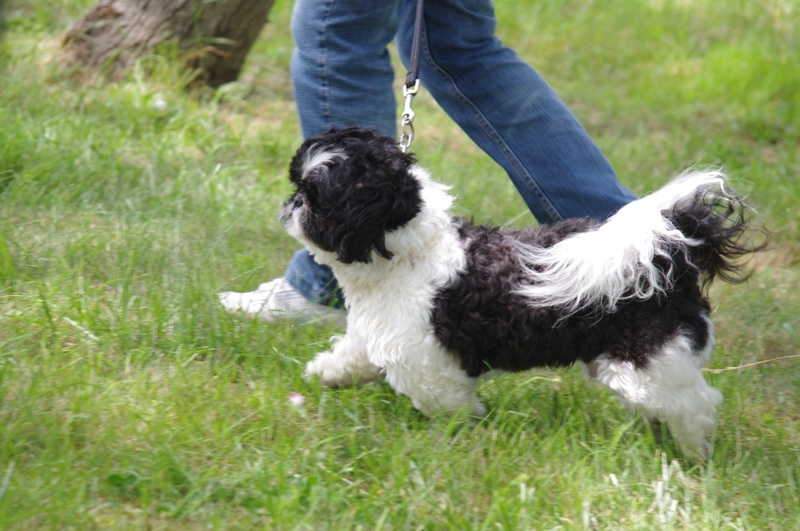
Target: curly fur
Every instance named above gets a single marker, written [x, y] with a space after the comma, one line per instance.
[435, 302]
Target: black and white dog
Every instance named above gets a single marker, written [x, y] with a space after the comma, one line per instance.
[435, 302]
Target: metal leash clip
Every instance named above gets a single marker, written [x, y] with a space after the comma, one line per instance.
[407, 122]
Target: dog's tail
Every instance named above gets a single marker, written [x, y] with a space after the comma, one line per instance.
[693, 225]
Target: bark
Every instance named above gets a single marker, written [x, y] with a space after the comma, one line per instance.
[214, 36]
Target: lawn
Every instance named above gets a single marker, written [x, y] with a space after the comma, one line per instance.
[129, 399]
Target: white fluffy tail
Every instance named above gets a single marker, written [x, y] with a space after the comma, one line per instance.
[615, 261]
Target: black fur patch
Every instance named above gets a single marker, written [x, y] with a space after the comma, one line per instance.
[721, 224]
[488, 326]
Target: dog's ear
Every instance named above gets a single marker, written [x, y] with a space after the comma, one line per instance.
[381, 196]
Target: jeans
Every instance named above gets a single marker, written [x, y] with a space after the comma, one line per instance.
[342, 76]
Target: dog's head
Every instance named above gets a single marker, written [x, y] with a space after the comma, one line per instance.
[352, 186]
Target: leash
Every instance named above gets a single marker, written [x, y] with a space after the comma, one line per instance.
[411, 86]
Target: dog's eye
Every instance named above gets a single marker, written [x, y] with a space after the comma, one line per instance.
[297, 201]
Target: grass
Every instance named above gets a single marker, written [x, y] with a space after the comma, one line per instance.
[128, 399]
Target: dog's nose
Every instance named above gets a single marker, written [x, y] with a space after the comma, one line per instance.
[297, 202]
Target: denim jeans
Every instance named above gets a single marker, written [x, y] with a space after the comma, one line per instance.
[342, 76]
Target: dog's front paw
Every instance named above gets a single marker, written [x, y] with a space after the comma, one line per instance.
[318, 366]
[335, 370]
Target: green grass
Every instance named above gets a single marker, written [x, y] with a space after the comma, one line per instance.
[129, 399]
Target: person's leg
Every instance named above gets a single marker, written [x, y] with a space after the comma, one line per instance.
[510, 112]
[341, 70]
[342, 76]
[277, 299]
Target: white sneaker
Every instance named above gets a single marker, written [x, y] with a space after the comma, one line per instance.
[276, 300]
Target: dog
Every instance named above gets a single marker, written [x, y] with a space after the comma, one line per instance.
[435, 302]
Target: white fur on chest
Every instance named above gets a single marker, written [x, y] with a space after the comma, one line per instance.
[390, 301]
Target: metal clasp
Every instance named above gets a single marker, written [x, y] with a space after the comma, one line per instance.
[407, 122]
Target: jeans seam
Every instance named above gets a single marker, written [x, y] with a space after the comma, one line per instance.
[323, 64]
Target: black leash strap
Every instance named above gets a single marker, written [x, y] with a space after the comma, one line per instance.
[411, 86]
[416, 44]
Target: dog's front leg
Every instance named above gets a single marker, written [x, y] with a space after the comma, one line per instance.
[344, 365]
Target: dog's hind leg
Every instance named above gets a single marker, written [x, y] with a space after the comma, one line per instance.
[671, 389]
[346, 364]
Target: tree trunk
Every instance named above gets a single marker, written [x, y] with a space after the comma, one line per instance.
[214, 36]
